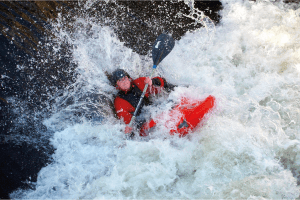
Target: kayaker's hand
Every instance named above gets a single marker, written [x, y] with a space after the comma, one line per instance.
[128, 129]
[148, 81]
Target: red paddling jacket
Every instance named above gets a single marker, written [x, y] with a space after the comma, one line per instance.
[126, 102]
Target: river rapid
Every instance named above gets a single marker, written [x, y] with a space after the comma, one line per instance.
[248, 147]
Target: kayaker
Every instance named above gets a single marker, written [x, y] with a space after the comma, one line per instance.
[130, 92]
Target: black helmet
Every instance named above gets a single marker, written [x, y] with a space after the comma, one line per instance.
[117, 75]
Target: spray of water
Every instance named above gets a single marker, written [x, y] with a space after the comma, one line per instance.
[247, 148]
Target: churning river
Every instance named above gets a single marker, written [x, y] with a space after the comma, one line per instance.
[248, 147]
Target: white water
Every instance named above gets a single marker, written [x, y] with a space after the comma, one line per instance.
[249, 146]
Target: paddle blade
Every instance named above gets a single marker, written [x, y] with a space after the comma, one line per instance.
[162, 47]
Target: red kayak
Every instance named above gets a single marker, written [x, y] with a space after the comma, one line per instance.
[183, 118]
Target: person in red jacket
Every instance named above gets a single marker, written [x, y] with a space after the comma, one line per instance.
[130, 92]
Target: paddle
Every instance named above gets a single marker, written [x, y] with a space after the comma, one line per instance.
[162, 46]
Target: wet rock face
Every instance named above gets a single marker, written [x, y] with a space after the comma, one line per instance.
[146, 20]
[137, 23]
[27, 53]
[33, 74]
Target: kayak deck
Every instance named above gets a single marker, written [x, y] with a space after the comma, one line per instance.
[183, 118]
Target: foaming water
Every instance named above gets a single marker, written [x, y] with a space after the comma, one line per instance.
[248, 146]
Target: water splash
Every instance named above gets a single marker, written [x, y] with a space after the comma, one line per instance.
[204, 20]
[247, 148]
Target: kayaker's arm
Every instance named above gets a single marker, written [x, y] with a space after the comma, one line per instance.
[167, 86]
[123, 109]
[154, 88]
[162, 83]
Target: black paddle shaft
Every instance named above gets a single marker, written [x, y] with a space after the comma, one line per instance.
[162, 46]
